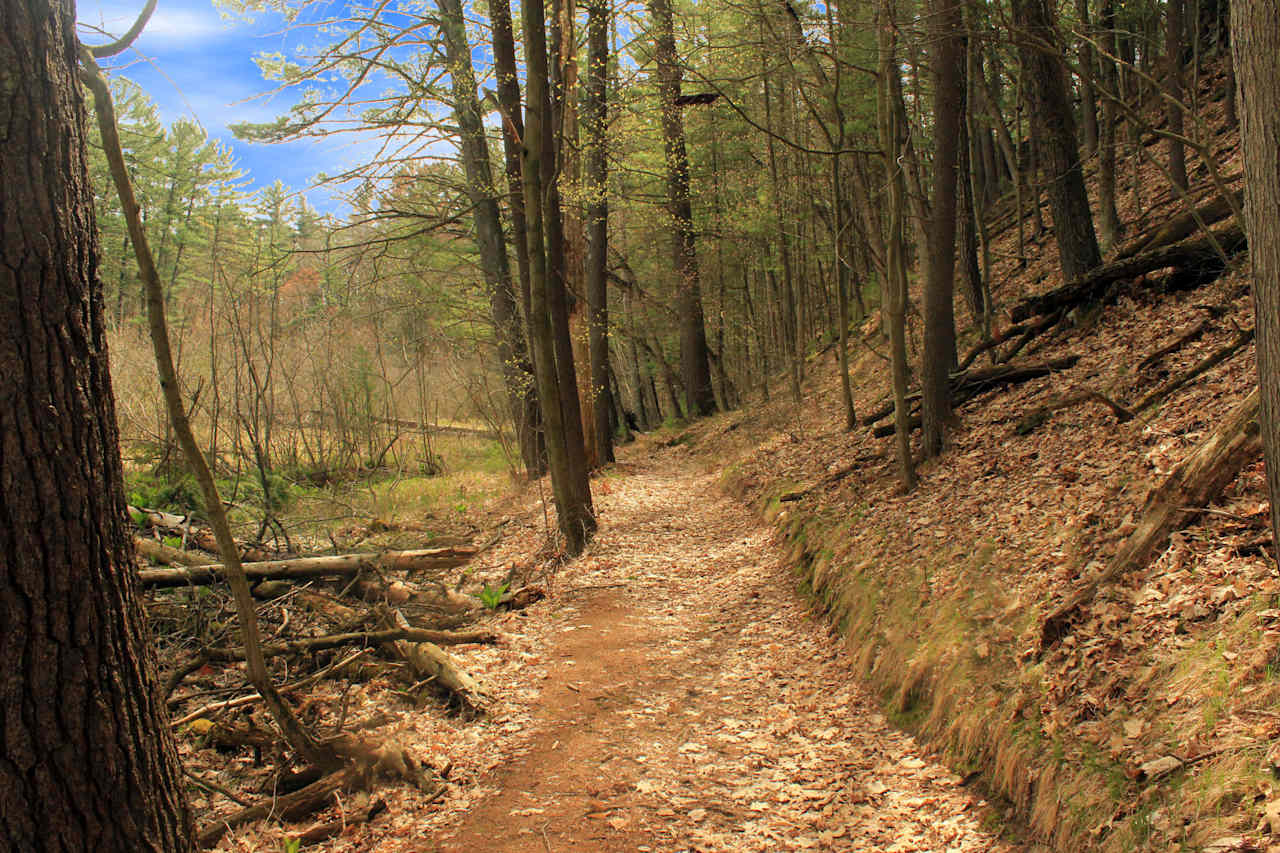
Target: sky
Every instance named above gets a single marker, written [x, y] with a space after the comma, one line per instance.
[195, 62]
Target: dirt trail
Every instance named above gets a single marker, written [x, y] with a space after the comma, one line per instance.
[691, 702]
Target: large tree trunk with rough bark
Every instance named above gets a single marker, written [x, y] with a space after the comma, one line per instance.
[1255, 44]
[86, 760]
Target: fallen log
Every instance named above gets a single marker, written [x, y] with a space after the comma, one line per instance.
[1191, 254]
[830, 479]
[1029, 334]
[158, 552]
[313, 567]
[1181, 227]
[968, 383]
[913, 424]
[885, 409]
[334, 828]
[1196, 480]
[977, 381]
[989, 343]
[434, 664]
[160, 518]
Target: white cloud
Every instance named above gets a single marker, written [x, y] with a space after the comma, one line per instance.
[185, 24]
[173, 23]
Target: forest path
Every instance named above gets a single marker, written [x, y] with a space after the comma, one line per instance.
[693, 702]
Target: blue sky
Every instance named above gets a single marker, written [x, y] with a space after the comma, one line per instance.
[195, 62]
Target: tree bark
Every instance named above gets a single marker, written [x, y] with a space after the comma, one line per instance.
[575, 515]
[1088, 96]
[86, 760]
[1255, 47]
[513, 353]
[1173, 41]
[939, 304]
[1055, 135]
[891, 141]
[1109, 217]
[595, 120]
[694, 364]
[558, 269]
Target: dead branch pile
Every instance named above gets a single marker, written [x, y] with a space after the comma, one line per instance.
[333, 620]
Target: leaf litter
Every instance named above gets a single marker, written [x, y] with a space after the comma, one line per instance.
[674, 693]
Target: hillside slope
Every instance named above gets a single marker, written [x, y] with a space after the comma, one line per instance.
[1148, 726]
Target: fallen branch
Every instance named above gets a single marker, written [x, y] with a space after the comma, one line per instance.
[332, 829]
[364, 638]
[1243, 337]
[975, 382]
[161, 519]
[1029, 334]
[1196, 481]
[1178, 343]
[1191, 254]
[293, 806]
[989, 343]
[311, 567]
[834, 477]
[241, 701]
[1033, 419]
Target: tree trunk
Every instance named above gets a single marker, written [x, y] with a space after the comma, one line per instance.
[1088, 96]
[1109, 224]
[1055, 134]
[1173, 42]
[694, 364]
[595, 119]
[575, 516]
[86, 758]
[791, 338]
[508, 84]
[939, 304]
[1255, 47]
[557, 282]
[512, 350]
[891, 140]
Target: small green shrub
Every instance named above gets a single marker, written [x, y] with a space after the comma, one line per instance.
[491, 596]
[179, 495]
